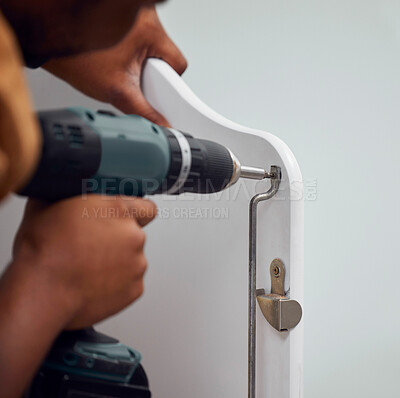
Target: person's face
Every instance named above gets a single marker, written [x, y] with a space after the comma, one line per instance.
[48, 28]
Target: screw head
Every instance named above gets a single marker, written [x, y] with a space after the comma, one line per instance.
[276, 271]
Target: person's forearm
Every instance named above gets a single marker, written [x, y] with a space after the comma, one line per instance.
[33, 311]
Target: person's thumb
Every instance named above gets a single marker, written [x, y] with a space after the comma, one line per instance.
[143, 210]
[135, 103]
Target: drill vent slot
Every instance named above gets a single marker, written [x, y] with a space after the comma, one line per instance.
[58, 131]
[75, 136]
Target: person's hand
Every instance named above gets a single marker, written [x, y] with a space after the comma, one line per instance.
[75, 263]
[113, 75]
[88, 253]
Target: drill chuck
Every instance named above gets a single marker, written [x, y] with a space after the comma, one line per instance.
[197, 166]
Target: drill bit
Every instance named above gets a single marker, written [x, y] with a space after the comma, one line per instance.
[254, 173]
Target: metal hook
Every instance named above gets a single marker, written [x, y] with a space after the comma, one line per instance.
[275, 175]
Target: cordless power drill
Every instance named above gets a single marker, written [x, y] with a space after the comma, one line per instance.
[98, 152]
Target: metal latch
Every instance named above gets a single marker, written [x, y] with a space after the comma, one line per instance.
[281, 312]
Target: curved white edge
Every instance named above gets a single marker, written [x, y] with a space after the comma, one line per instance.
[158, 67]
[157, 71]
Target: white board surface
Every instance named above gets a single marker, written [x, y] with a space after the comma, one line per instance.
[191, 323]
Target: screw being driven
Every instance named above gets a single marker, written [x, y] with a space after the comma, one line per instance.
[276, 271]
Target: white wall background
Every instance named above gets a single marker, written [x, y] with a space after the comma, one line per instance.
[325, 78]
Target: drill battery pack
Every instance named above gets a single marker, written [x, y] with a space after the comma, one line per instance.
[88, 364]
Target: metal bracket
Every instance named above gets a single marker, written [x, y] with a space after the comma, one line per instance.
[281, 312]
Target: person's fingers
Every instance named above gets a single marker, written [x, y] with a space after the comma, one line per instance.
[171, 54]
[34, 205]
[164, 47]
[134, 102]
[143, 210]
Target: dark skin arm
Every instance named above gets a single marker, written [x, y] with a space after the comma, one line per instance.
[48, 28]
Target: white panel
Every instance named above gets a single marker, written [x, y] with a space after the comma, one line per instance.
[191, 324]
